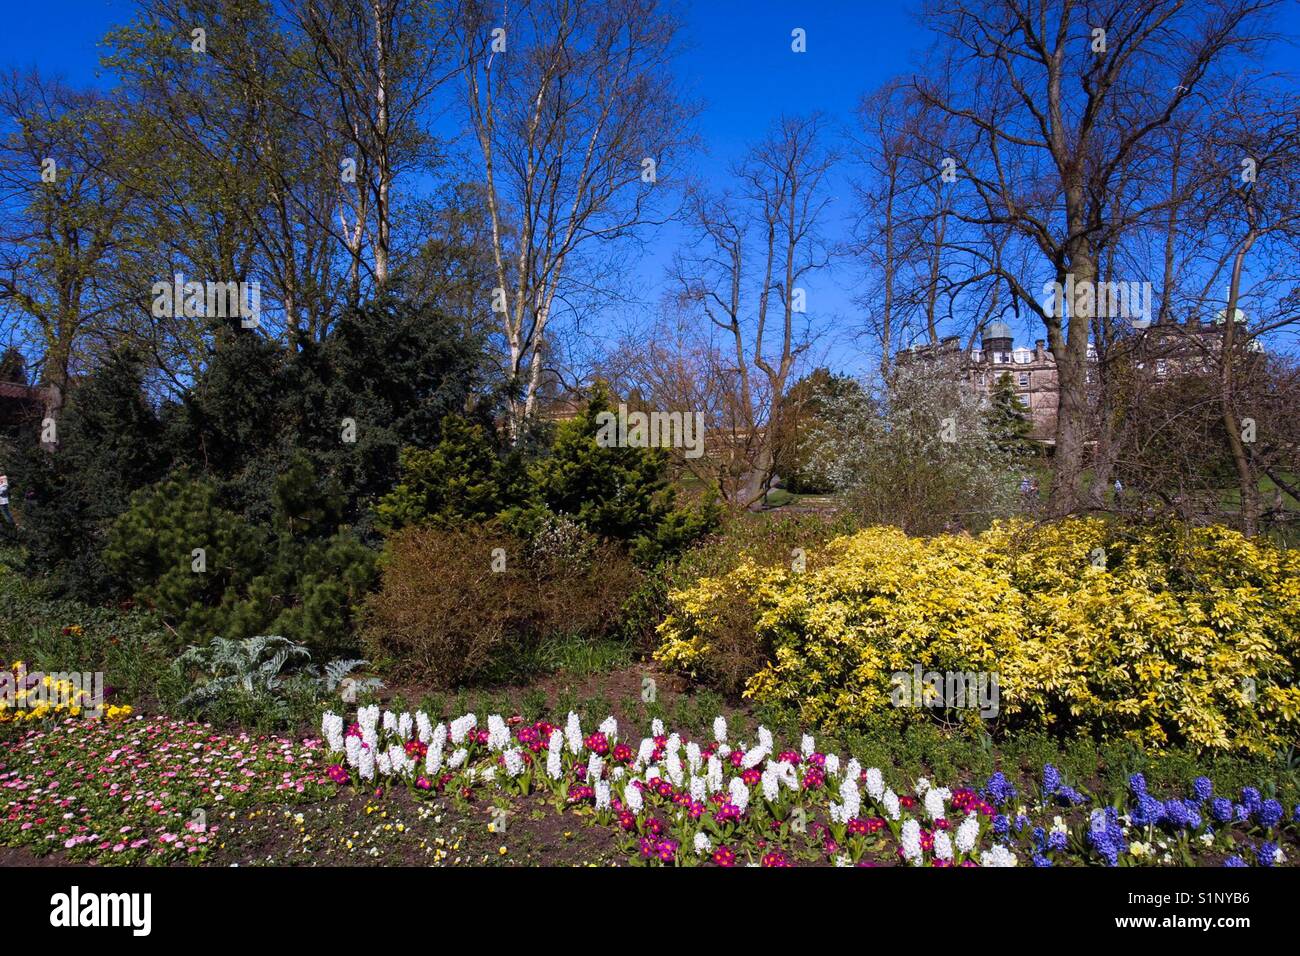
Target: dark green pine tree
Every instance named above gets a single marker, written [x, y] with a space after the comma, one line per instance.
[462, 477]
[1009, 422]
[617, 493]
[110, 445]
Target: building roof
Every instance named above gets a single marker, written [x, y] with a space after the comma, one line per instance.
[19, 391]
[997, 330]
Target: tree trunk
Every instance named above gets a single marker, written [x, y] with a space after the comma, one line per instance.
[1247, 481]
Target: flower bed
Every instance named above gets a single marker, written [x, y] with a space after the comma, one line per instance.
[141, 790]
[680, 802]
[164, 791]
[38, 696]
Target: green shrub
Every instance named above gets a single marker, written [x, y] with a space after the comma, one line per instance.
[263, 681]
[766, 539]
[253, 579]
[618, 494]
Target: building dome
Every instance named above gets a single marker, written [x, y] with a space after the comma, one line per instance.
[996, 330]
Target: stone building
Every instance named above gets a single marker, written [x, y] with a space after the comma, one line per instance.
[1158, 349]
[1032, 371]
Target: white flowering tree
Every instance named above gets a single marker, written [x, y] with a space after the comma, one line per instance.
[918, 451]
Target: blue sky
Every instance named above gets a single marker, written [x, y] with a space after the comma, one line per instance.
[737, 60]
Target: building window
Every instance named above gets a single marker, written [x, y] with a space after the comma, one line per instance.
[1023, 400]
[1024, 379]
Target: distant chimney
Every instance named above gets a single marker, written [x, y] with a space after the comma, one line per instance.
[1193, 322]
[1038, 350]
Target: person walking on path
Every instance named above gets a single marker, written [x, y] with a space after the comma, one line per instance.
[4, 502]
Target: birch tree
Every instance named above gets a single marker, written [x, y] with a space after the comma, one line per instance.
[578, 122]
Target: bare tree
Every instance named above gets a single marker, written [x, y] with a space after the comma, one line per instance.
[383, 61]
[576, 116]
[1256, 217]
[1063, 103]
[745, 271]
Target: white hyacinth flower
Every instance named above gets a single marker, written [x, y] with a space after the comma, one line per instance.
[771, 784]
[967, 833]
[555, 746]
[423, 727]
[498, 733]
[595, 768]
[602, 794]
[368, 719]
[433, 756]
[714, 775]
[397, 759]
[390, 722]
[997, 856]
[852, 801]
[942, 845]
[332, 730]
[673, 767]
[890, 802]
[720, 729]
[632, 798]
[461, 726]
[739, 794]
[699, 789]
[755, 757]
[458, 759]
[656, 728]
[609, 727]
[833, 766]
[644, 754]
[875, 784]
[352, 747]
[573, 733]
[703, 845]
[911, 841]
[404, 726]
[693, 757]
[366, 764]
[806, 747]
[934, 802]
[384, 765]
[514, 761]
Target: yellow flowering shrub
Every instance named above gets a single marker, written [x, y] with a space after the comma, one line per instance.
[26, 700]
[1165, 634]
